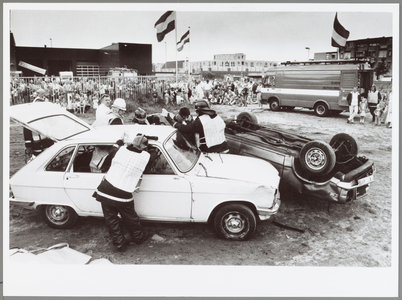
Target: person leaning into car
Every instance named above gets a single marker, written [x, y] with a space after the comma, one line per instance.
[208, 129]
[115, 116]
[116, 191]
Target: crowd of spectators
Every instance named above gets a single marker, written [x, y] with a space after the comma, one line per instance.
[85, 92]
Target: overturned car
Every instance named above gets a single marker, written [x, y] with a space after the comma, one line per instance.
[332, 172]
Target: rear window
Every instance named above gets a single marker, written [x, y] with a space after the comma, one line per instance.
[60, 126]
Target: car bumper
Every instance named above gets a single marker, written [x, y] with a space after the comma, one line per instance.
[27, 204]
[266, 213]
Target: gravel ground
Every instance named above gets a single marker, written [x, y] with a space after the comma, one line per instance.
[356, 236]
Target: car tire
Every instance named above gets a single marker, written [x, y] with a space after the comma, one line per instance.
[321, 109]
[274, 105]
[344, 146]
[59, 216]
[249, 118]
[235, 222]
[317, 158]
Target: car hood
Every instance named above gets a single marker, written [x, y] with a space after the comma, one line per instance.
[48, 120]
[238, 167]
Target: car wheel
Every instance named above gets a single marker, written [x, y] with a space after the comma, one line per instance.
[247, 119]
[235, 222]
[317, 158]
[59, 216]
[321, 109]
[344, 146]
[274, 105]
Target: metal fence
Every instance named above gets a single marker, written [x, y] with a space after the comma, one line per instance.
[24, 89]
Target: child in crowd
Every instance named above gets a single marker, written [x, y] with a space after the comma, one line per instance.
[379, 111]
[363, 109]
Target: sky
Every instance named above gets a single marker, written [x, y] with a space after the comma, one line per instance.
[269, 32]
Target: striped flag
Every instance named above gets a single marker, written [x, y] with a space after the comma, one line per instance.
[165, 24]
[184, 40]
[339, 34]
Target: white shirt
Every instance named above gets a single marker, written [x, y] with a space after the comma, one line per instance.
[102, 110]
[355, 98]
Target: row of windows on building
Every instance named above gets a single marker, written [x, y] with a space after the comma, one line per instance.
[233, 64]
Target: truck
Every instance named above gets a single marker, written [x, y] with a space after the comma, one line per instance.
[321, 87]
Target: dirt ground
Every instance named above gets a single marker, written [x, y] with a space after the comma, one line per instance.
[356, 234]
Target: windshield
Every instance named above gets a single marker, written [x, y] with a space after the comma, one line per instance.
[183, 154]
[60, 126]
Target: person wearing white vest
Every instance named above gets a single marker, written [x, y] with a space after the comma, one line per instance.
[208, 128]
[373, 98]
[116, 190]
[115, 116]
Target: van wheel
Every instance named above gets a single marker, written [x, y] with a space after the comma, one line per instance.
[317, 158]
[274, 105]
[344, 146]
[321, 109]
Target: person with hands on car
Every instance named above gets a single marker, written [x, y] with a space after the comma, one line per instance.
[208, 129]
[116, 191]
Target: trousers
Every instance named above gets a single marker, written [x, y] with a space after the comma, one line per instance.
[130, 220]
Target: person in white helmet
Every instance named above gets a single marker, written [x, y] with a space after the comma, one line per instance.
[116, 191]
[115, 116]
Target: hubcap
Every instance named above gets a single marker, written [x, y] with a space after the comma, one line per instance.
[234, 222]
[57, 214]
[316, 159]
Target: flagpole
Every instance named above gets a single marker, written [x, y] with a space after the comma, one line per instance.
[189, 68]
[175, 45]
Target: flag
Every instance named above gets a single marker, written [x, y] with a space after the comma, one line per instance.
[184, 40]
[339, 34]
[165, 24]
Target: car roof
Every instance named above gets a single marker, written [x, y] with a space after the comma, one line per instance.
[111, 133]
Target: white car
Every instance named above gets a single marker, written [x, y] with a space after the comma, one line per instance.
[180, 185]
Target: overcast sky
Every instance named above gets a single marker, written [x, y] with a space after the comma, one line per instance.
[261, 32]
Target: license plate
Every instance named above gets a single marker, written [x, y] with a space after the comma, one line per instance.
[365, 180]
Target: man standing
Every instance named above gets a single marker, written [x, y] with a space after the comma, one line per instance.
[353, 102]
[104, 107]
[208, 129]
[115, 116]
[115, 192]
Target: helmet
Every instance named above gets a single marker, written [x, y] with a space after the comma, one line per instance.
[201, 104]
[119, 103]
[140, 142]
[41, 92]
[140, 114]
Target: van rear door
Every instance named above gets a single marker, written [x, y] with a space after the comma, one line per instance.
[348, 81]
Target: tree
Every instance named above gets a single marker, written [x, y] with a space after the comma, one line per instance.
[381, 68]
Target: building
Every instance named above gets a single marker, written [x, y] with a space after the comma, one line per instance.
[82, 62]
[228, 64]
[372, 50]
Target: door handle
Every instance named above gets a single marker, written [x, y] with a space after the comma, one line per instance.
[72, 176]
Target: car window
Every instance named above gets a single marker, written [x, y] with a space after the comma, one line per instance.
[59, 126]
[183, 154]
[60, 162]
[158, 163]
[91, 159]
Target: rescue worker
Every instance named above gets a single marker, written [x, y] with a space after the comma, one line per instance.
[140, 117]
[208, 129]
[116, 191]
[115, 116]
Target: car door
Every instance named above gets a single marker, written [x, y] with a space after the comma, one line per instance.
[164, 194]
[80, 183]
